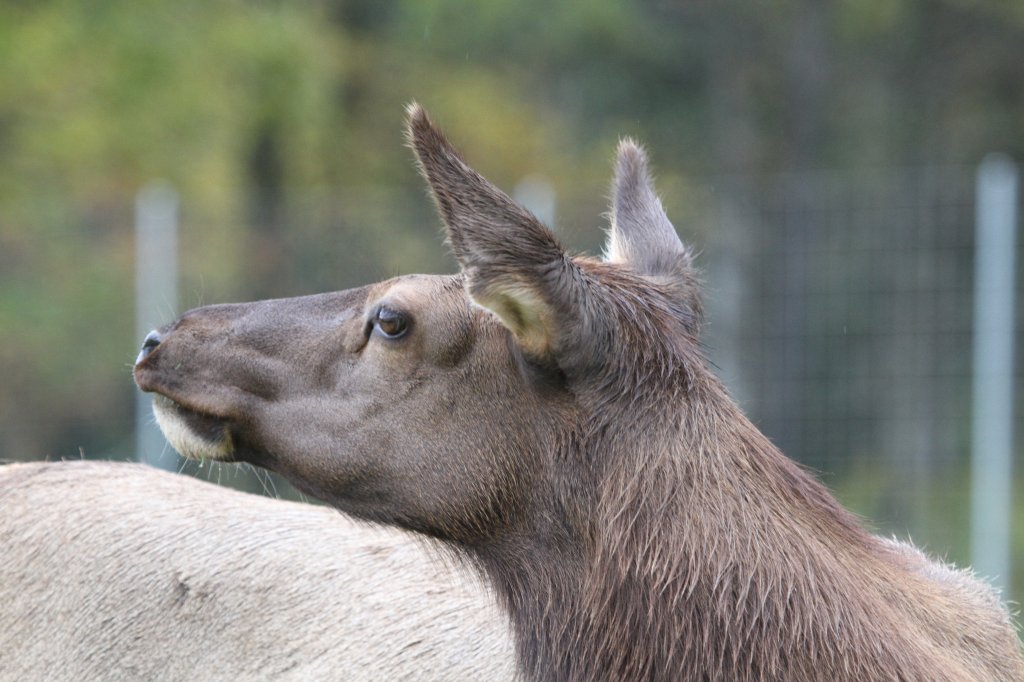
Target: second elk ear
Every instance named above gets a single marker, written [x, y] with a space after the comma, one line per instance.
[641, 235]
[513, 264]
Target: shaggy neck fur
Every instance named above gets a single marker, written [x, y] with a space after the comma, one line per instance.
[711, 556]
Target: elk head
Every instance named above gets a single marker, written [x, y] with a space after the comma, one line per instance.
[467, 406]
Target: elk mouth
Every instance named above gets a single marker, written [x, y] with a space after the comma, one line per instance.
[195, 432]
[195, 435]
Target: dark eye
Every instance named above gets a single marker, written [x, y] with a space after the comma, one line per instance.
[390, 323]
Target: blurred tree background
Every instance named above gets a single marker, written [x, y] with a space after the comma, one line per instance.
[279, 125]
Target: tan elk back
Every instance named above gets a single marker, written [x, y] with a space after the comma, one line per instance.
[123, 572]
[552, 419]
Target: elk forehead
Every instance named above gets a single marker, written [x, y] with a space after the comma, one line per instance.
[428, 298]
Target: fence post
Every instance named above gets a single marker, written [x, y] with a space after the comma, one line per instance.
[156, 300]
[538, 196]
[992, 413]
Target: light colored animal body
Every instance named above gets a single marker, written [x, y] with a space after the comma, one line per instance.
[113, 571]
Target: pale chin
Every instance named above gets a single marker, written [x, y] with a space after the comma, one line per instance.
[183, 437]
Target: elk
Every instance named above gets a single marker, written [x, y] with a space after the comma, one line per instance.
[551, 419]
[116, 571]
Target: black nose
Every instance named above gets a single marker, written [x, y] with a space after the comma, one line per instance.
[152, 341]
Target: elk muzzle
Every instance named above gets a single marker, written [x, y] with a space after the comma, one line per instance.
[192, 432]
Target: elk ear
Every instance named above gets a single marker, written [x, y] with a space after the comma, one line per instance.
[641, 235]
[513, 264]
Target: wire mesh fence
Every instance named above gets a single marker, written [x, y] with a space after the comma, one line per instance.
[841, 316]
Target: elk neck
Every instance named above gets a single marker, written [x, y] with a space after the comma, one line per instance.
[686, 504]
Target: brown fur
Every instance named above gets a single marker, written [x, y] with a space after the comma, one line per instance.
[553, 420]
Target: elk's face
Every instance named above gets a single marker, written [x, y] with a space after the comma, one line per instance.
[400, 401]
[440, 403]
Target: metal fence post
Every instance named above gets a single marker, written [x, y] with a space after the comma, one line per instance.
[156, 294]
[992, 416]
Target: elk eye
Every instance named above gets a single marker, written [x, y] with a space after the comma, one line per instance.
[390, 323]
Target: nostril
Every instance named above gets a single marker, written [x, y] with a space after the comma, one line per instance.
[151, 341]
